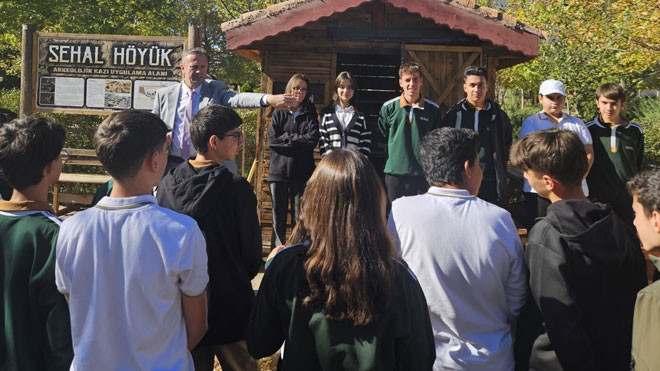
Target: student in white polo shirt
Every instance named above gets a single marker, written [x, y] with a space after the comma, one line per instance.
[466, 254]
[134, 273]
[552, 96]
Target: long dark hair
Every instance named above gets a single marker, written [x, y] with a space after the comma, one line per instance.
[350, 263]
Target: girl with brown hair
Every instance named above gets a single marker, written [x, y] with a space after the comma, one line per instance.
[342, 125]
[340, 298]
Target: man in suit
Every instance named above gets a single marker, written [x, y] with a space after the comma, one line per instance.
[177, 104]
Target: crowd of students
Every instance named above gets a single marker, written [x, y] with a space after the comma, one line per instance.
[422, 271]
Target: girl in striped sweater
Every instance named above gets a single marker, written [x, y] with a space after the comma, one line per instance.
[342, 126]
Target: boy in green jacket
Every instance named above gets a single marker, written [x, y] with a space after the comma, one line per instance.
[618, 151]
[403, 121]
[36, 334]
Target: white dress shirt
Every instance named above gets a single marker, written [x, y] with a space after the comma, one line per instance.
[177, 133]
[344, 115]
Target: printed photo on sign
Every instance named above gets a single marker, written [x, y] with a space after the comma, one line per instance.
[145, 92]
[61, 91]
[103, 93]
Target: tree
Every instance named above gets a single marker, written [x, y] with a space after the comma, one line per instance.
[589, 43]
[128, 17]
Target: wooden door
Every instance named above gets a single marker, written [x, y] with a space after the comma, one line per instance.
[442, 70]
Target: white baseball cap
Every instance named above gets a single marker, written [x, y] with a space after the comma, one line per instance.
[551, 87]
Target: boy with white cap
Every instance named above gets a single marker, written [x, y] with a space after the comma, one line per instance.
[552, 96]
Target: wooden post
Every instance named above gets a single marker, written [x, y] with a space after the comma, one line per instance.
[491, 68]
[194, 37]
[253, 169]
[27, 93]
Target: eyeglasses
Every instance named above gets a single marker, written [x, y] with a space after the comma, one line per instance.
[64, 155]
[297, 88]
[238, 135]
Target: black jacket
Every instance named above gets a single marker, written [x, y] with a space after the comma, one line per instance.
[585, 268]
[400, 339]
[502, 136]
[292, 142]
[224, 206]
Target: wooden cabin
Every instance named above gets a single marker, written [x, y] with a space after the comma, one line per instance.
[371, 38]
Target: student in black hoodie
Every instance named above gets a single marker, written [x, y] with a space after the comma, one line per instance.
[224, 206]
[292, 136]
[585, 265]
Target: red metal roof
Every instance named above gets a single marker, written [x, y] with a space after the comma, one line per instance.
[462, 15]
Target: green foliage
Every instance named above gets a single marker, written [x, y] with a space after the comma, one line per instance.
[518, 115]
[589, 43]
[10, 99]
[651, 143]
[246, 87]
[79, 128]
[128, 17]
[644, 109]
[646, 112]
[125, 17]
[249, 149]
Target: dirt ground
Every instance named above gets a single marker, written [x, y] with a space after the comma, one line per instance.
[265, 364]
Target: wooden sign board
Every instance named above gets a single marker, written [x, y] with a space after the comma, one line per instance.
[99, 74]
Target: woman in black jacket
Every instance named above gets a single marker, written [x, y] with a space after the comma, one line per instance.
[292, 136]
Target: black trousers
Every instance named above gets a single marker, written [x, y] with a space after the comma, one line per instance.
[404, 185]
[284, 194]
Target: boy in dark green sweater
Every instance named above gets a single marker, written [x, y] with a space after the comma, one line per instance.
[618, 151]
[403, 121]
[36, 332]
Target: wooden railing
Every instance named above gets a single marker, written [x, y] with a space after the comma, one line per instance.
[76, 157]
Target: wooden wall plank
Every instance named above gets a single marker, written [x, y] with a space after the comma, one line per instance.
[450, 88]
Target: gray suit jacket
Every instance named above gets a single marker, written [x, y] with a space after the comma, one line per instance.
[213, 92]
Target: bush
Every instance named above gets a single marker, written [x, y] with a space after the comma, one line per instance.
[646, 112]
[518, 116]
[79, 128]
[10, 99]
[249, 126]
